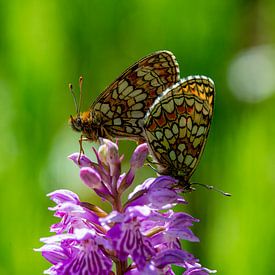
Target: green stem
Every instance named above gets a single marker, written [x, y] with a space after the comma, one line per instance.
[121, 267]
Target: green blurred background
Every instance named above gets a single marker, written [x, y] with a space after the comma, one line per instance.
[47, 44]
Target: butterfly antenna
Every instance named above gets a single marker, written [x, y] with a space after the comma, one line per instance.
[74, 97]
[80, 94]
[211, 187]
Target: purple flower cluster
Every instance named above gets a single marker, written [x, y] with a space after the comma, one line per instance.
[139, 236]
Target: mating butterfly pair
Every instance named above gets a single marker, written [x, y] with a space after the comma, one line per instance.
[149, 103]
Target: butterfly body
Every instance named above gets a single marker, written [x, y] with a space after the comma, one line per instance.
[119, 110]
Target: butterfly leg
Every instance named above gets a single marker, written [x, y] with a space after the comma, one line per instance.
[152, 167]
[81, 150]
[150, 160]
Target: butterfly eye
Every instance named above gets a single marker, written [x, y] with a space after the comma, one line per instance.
[76, 123]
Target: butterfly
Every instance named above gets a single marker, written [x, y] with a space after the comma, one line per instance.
[119, 110]
[177, 124]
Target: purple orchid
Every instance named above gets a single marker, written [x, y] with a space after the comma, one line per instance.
[139, 236]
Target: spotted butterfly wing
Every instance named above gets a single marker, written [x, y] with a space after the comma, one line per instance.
[120, 109]
[177, 124]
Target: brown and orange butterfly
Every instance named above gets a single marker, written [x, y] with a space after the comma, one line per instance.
[177, 124]
[119, 110]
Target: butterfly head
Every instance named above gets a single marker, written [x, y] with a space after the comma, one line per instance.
[84, 123]
[80, 122]
[76, 123]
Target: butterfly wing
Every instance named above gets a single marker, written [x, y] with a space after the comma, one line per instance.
[122, 106]
[177, 124]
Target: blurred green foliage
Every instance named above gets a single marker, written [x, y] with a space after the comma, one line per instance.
[44, 45]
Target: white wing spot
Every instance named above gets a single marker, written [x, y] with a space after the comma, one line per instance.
[200, 130]
[148, 76]
[179, 101]
[136, 92]
[175, 128]
[141, 97]
[181, 147]
[168, 133]
[196, 142]
[188, 160]
[115, 94]
[127, 91]
[122, 86]
[159, 135]
[182, 122]
[109, 114]
[180, 157]
[129, 129]
[118, 109]
[190, 101]
[154, 82]
[104, 108]
[141, 73]
[198, 106]
[194, 129]
[117, 121]
[137, 106]
[189, 123]
[169, 106]
[136, 114]
[172, 155]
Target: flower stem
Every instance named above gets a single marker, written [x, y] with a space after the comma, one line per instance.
[121, 267]
[117, 205]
